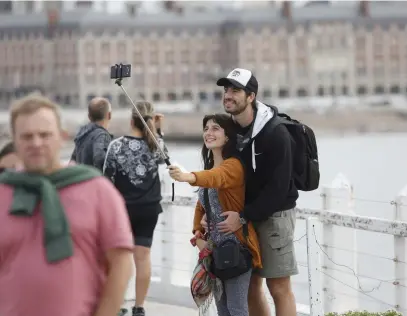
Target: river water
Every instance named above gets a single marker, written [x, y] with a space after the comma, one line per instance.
[375, 164]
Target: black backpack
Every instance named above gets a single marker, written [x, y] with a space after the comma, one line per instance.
[305, 155]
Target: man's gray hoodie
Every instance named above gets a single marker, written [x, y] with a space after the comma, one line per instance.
[91, 144]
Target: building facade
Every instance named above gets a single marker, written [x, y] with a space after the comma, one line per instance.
[317, 50]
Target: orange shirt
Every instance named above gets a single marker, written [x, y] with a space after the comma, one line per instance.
[229, 180]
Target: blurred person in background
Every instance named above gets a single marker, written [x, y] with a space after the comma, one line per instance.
[132, 165]
[8, 158]
[92, 140]
[65, 240]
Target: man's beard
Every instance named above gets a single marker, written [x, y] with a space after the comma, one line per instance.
[238, 109]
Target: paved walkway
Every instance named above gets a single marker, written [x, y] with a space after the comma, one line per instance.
[157, 309]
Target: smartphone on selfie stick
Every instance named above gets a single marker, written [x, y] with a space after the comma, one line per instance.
[118, 72]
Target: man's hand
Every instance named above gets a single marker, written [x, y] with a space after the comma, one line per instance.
[231, 223]
[204, 223]
[176, 173]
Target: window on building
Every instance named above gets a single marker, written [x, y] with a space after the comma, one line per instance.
[361, 90]
[283, 93]
[361, 71]
[321, 91]
[302, 92]
[108, 96]
[123, 100]
[203, 96]
[267, 94]
[217, 95]
[105, 52]
[138, 58]
[187, 95]
[378, 71]
[121, 52]
[250, 55]
[169, 57]
[185, 56]
[201, 56]
[172, 96]
[379, 90]
[345, 90]
[90, 97]
[395, 89]
[67, 100]
[154, 57]
[138, 76]
[156, 96]
[266, 55]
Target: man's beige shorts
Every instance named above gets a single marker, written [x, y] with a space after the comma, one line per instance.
[276, 237]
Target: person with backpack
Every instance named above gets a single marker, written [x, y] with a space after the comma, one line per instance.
[92, 139]
[280, 157]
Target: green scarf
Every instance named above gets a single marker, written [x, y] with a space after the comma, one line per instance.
[30, 189]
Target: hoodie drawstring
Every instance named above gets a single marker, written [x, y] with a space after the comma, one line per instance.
[253, 157]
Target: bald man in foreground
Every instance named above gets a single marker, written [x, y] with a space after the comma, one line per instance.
[92, 140]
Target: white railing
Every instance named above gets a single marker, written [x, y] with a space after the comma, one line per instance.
[330, 260]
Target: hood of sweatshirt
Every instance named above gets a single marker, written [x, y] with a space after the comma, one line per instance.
[263, 115]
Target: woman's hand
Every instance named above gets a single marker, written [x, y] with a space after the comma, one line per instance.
[201, 244]
[176, 174]
[158, 119]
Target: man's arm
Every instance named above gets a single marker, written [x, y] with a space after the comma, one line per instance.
[120, 270]
[272, 197]
[116, 241]
[100, 145]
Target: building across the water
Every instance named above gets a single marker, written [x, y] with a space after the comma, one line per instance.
[320, 49]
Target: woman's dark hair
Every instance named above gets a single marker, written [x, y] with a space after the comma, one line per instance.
[146, 109]
[7, 149]
[229, 150]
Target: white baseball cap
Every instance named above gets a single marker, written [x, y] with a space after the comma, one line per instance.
[240, 78]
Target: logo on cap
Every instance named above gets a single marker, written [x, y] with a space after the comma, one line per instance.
[235, 73]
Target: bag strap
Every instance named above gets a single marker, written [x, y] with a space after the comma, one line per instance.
[208, 211]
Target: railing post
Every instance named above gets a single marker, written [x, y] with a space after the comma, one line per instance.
[167, 222]
[338, 197]
[314, 269]
[400, 253]
[166, 248]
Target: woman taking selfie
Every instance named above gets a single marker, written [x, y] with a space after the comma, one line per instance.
[132, 165]
[221, 191]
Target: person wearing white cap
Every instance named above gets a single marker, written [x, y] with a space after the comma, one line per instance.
[271, 195]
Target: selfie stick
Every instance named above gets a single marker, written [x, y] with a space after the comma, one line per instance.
[118, 81]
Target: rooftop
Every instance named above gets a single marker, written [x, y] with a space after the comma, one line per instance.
[386, 12]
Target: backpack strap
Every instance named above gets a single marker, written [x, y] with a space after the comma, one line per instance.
[275, 121]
